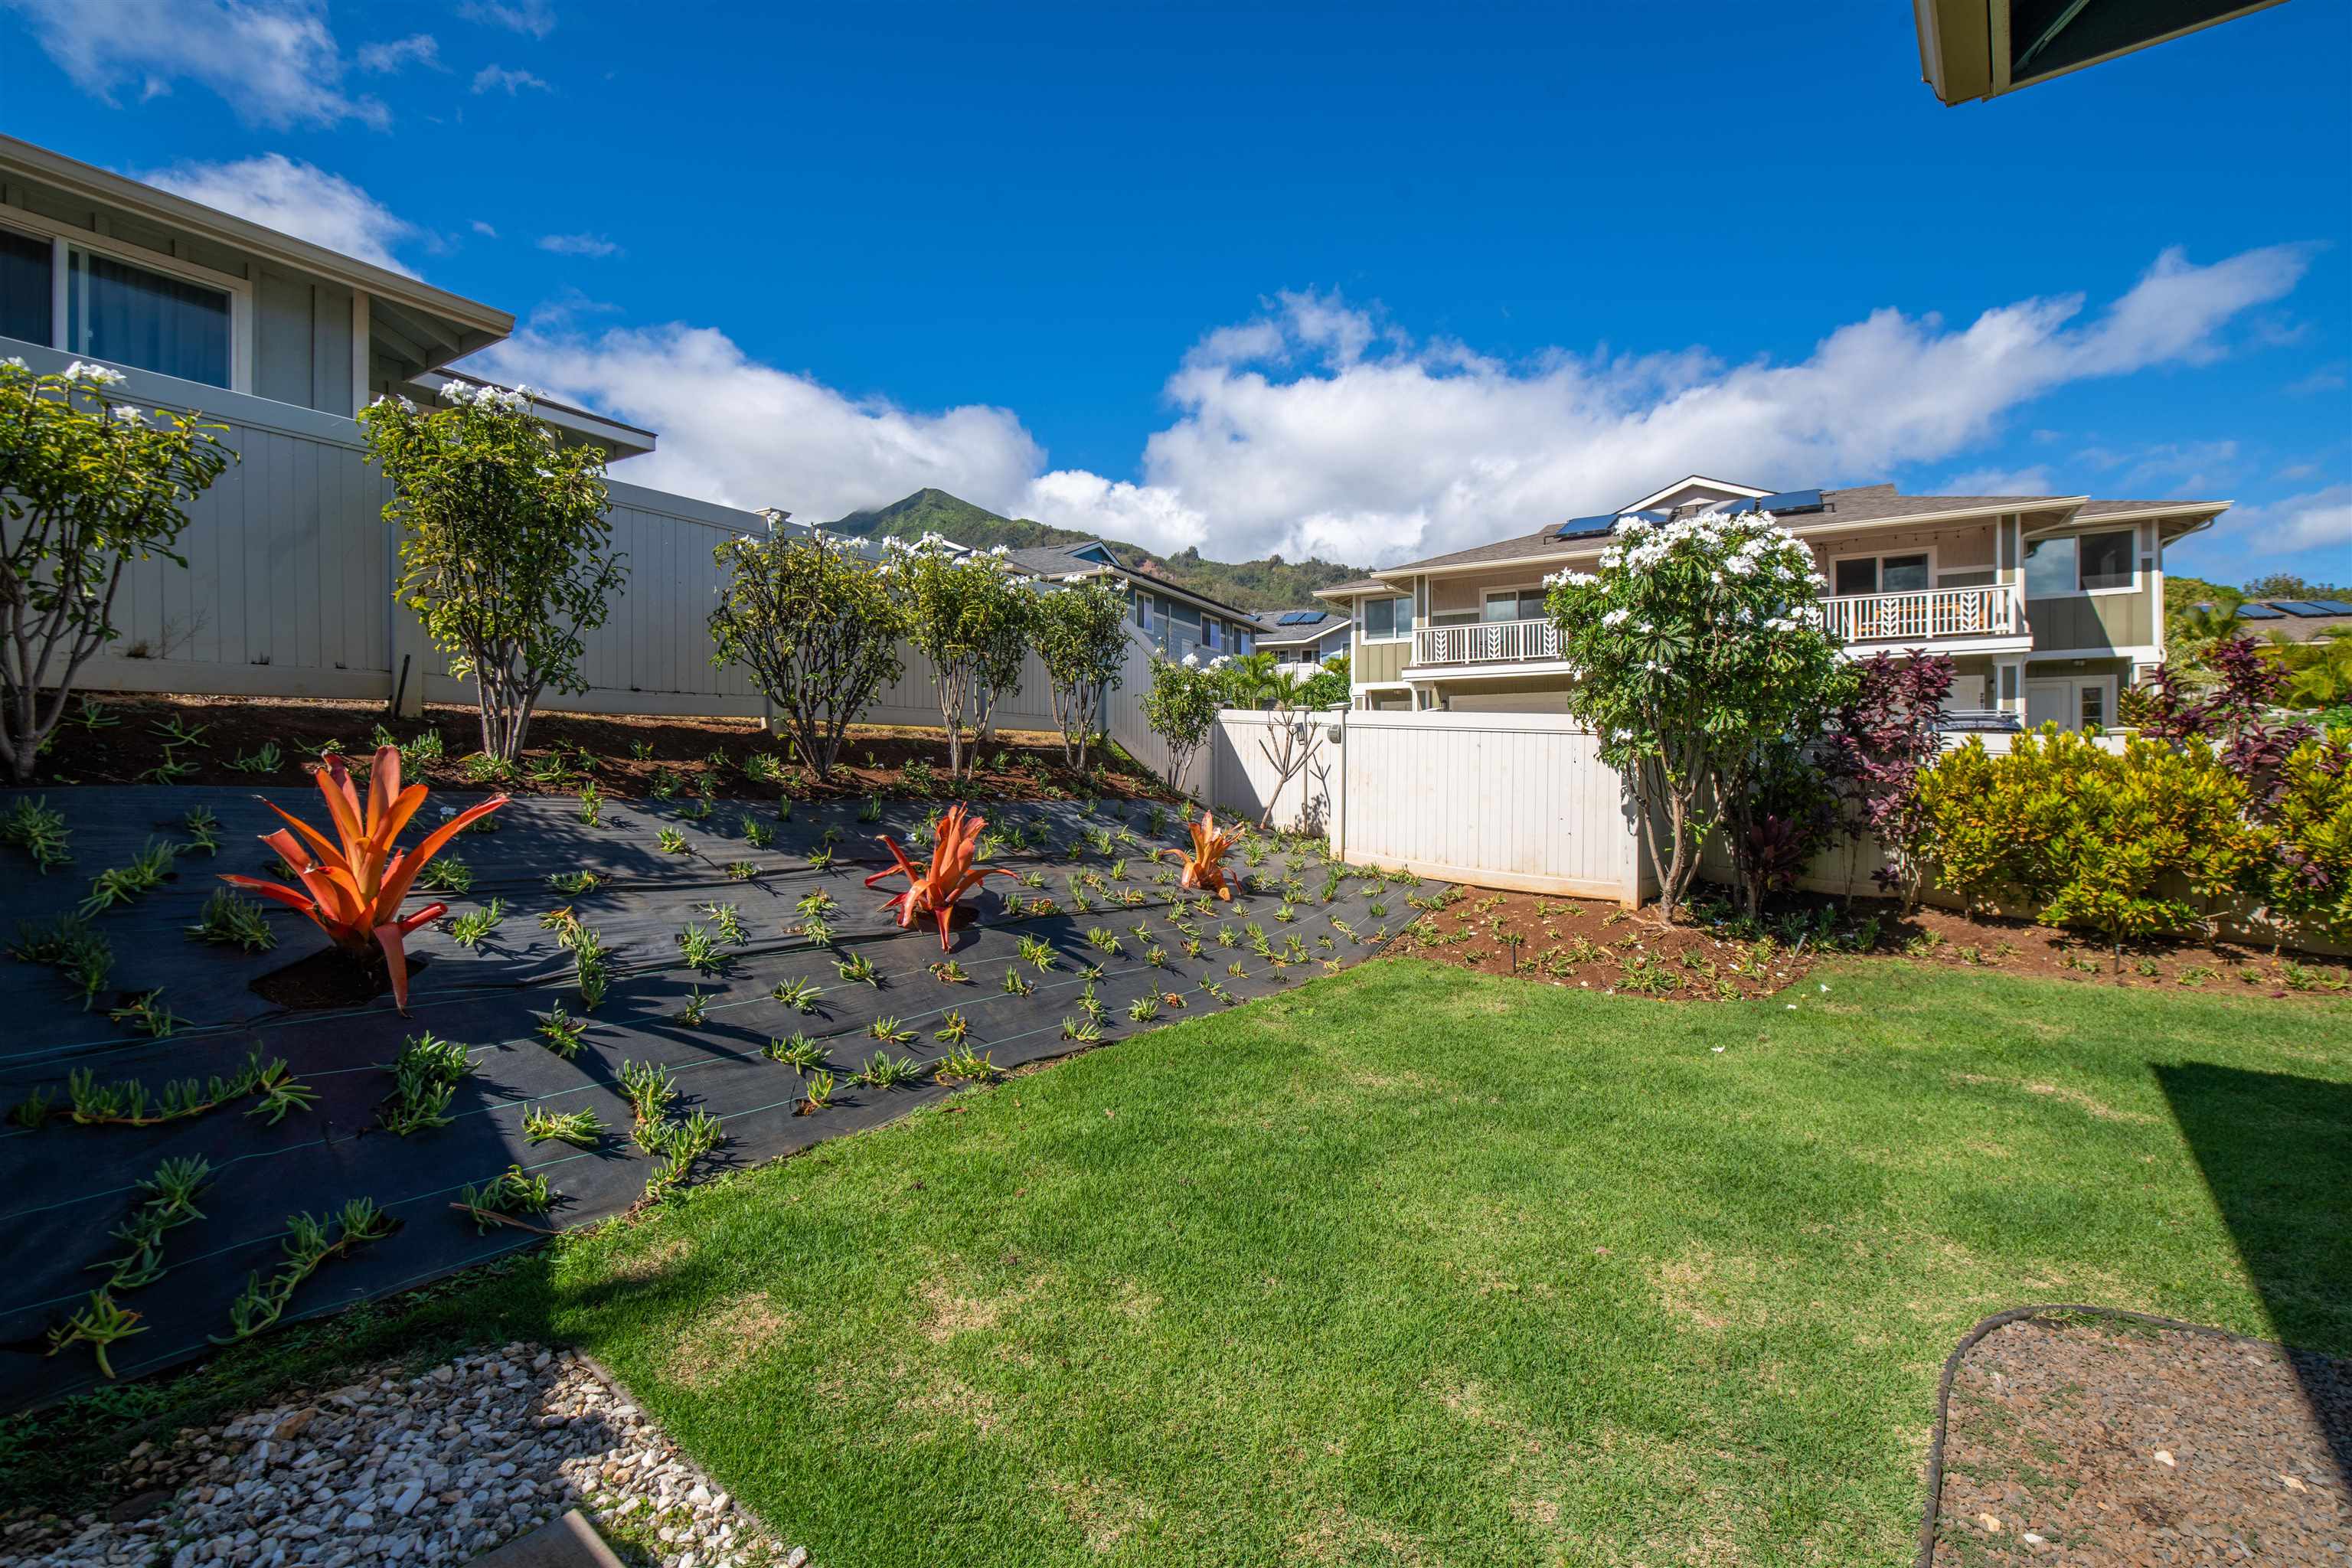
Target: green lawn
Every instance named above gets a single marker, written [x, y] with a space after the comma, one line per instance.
[1413, 1267]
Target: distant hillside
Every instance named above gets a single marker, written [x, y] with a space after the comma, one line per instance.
[1272, 583]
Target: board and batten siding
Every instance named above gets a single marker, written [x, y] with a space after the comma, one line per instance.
[2094, 621]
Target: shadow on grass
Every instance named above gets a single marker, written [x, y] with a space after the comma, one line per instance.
[2276, 1154]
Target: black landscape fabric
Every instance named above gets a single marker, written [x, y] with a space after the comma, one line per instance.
[68, 1186]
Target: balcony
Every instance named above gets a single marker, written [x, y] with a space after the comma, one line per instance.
[1926, 616]
[1486, 642]
[1930, 616]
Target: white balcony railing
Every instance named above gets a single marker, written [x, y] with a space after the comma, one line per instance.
[1486, 642]
[1919, 617]
[1930, 612]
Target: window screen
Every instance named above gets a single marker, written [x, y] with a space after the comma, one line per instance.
[24, 266]
[1856, 577]
[1903, 573]
[2108, 559]
[130, 315]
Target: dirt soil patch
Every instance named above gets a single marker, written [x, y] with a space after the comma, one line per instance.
[1709, 955]
[2091, 1442]
[223, 741]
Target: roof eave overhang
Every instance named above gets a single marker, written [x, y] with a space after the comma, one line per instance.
[100, 186]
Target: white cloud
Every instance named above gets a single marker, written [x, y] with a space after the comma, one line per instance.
[295, 198]
[2032, 482]
[512, 82]
[1319, 428]
[484, 229]
[274, 62]
[399, 54]
[1147, 514]
[2318, 520]
[536, 17]
[749, 434]
[578, 245]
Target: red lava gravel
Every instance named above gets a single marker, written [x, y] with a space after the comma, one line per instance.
[2107, 1444]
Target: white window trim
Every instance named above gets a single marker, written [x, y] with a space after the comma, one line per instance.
[1363, 626]
[64, 237]
[1880, 555]
[2138, 584]
[1515, 590]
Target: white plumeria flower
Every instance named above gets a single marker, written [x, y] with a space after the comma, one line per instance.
[525, 389]
[1075, 577]
[1617, 618]
[15, 362]
[95, 375]
[126, 415]
[456, 391]
[1192, 661]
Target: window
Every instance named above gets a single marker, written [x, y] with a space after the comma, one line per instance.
[2095, 706]
[24, 291]
[2108, 559]
[1516, 605]
[1879, 575]
[2078, 563]
[1387, 619]
[131, 315]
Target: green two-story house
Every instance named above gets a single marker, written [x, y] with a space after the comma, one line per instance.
[2048, 606]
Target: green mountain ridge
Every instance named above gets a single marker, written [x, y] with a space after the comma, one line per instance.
[1272, 583]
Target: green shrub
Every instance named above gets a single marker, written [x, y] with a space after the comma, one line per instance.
[2133, 845]
[2310, 878]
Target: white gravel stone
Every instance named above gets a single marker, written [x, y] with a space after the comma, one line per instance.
[432, 1467]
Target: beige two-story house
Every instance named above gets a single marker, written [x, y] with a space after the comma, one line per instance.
[2048, 605]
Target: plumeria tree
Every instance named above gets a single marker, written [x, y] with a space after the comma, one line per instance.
[1181, 708]
[88, 485]
[968, 616]
[816, 628]
[1081, 640]
[505, 550]
[1697, 641]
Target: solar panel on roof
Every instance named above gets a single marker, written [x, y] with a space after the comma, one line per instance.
[2303, 607]
[2333, 606]
[1302, 617]
[1604, 523]
[2259, 613]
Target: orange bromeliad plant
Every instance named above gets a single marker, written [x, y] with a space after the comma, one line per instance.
[951, 874]
[1204, 868]
[355, 889]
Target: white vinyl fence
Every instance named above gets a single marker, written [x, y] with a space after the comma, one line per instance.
[288, 593]
[1503, 800]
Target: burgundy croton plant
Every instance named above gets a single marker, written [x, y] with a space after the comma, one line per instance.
[353, 889]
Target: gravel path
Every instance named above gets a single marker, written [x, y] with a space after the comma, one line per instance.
[2108, 1446]
[432, 1467]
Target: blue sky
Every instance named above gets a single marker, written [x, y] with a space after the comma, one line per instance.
[1367, 281]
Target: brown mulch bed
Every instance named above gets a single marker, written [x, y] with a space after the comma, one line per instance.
[1015, 765]
[1593, 945]
[2100, 1444]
